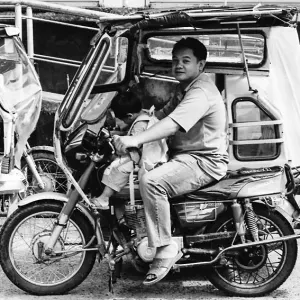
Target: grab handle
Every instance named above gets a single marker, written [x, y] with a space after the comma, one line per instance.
[290, 180]
[134, 154]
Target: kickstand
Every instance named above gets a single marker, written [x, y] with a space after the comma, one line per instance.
[111, 281]
[110, 285]
[114, 273]
[118, 270]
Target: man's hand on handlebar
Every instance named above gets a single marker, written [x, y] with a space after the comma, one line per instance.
[122, 143]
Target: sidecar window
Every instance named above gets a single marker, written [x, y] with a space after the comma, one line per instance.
[8, 51]
[257, 129]
[223, 48]
[115, 63]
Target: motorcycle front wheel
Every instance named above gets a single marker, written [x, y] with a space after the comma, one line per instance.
[22, 257]
[259, 270]
[50, 172]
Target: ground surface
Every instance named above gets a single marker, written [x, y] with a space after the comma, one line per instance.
[188, 284]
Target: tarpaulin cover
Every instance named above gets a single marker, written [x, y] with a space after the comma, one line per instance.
[284, 85]
[20, 91]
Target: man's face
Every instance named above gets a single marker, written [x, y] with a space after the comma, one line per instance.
[185, 65]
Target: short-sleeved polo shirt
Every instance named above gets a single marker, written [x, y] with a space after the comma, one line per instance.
[200, 112]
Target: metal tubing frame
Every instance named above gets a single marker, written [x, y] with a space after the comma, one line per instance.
[29, 4]
[52, 7]
[70, 10]
[29, 25]
[235, 247]
[18, 18]
[102, 16]
[60, 23]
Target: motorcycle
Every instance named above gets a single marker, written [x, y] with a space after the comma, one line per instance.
[240, 227]
[20, 105]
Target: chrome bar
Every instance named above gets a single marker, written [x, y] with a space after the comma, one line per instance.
[55, 62]
[18, 18]
[66, 62]
[70, 10]
[29, 23]
[77, 62]
[61, 23]
[3, 17]
[234, 247]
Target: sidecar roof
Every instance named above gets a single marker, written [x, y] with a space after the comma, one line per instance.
[208, 17]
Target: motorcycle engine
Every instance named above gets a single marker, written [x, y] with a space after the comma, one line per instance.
[145, 253]
[135, 219]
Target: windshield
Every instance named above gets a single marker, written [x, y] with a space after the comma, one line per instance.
[222, 48]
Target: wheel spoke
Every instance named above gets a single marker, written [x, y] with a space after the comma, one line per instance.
[51, 174]
[24, 243]
[257, 264]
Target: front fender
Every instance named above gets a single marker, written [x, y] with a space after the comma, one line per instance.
[34, 198]
[61, 198]
[42, 196]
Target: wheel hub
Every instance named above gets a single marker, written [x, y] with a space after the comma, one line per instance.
[49, 183]
[38, 246]
[252, 258]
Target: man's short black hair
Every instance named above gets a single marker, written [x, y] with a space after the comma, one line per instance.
[195, 45]
[125, 103]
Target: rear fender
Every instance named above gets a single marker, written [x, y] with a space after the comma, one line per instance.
[285, 208]
[57, 197]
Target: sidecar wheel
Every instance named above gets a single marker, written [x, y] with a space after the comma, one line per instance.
[23, 260]
[255, 271]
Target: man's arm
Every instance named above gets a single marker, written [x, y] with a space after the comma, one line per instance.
[160, 130]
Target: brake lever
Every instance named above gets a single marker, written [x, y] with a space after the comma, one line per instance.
[111, 145]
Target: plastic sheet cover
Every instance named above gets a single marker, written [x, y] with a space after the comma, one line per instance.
[20, 91]
[284, 85]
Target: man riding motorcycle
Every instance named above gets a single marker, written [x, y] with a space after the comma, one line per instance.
[196, 120]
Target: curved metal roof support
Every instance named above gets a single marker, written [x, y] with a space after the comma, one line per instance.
[245, 59]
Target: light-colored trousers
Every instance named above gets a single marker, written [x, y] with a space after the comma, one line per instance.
[178, 176]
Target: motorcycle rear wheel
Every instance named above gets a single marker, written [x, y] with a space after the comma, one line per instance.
[259, 270]
[21, 251]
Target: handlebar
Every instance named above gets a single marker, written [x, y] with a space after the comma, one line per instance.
[133, 152]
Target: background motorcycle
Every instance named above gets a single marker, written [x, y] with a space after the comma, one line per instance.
[42, 174]
[20, 104]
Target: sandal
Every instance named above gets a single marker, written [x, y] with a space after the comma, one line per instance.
[160, 268]
[99, 205]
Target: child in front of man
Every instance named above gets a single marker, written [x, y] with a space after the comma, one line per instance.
[128, 108]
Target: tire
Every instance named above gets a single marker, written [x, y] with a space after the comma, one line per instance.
[52, 175]
[255, 271]
[29, 228]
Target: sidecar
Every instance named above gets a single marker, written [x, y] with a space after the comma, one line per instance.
[253, 58]
[20, 105]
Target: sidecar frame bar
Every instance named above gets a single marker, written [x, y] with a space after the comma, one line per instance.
[234, 247]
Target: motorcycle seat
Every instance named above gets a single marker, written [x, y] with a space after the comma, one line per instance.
[228, 187]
